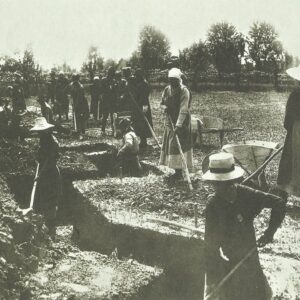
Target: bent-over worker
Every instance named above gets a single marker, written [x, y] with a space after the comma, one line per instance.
[128, 154]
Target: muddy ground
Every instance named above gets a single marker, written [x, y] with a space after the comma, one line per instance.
[260, 114]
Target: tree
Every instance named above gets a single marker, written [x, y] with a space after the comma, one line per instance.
[226, 46]
[154, 48]
[135, 60]
[94, 63]
[264, 47]
[195, 58]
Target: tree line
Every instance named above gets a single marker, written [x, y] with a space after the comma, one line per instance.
[224, 51]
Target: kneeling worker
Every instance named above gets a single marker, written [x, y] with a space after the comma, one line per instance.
[233, 270]
[128, 154]
[49, 185]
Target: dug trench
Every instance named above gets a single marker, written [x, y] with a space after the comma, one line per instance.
[118, 231]
[117, 217]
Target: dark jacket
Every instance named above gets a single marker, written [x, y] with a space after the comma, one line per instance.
[49, 189]
[229, 226]
[292, 113]
[18, 98]
[109, 94]
[80, 103]
[142, 93]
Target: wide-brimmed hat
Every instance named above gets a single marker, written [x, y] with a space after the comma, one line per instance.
[294, 73]
[221, 168]
[41, 124]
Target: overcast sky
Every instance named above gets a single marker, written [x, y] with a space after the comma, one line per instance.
[63, 30]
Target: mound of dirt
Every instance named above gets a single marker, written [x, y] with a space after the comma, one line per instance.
[22, 240]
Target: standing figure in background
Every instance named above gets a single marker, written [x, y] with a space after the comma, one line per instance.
[128, 90]
[18, 106]
[46, 110]
[109, 98]
[121, 87]
[18, 96]
[128, 154]
[51, 86]
[5, 115]
[176, 102]
[143, 109]
[62, 101]
[288, 180]
[49, 186]
[95, 108]
[80, 105]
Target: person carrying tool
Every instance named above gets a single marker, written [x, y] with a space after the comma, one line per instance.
[143, 109]
[176, 102]
[233, 270]
[128, 154]
[80, 105]
[49, 185]
[109, 98]
[95, 98]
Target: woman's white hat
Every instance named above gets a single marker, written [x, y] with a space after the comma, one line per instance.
[222, 168]
[294, 73]
[41, 124]
[175, 73]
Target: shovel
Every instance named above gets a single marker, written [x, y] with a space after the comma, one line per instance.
[186, 170]
[27, 210]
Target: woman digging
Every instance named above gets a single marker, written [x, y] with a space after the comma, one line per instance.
[49, 185]
[233, 270]
[176, 101]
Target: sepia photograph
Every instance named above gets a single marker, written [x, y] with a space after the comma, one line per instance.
[149, 150]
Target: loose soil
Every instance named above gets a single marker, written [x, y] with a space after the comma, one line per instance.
[260, 114]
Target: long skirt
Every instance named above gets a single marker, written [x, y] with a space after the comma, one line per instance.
[170, 155]
[289, 167]
[48, 195]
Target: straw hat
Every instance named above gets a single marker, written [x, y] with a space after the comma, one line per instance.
[221, 168]
[294, 73]
[41, 124]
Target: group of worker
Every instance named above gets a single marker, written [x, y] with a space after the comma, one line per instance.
[233, 270]
[119, 92]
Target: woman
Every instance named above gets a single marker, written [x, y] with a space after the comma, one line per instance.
[176, 100]
[289, 168]
[49, 187]
[95, 98]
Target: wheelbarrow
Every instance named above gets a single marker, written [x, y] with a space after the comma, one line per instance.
[252, 157]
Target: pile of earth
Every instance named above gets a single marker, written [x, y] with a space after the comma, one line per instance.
[23, 240]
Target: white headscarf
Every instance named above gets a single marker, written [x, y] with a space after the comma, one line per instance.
[175, 73]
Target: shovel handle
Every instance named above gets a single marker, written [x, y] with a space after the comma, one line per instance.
[263, 165]
[187, 174]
